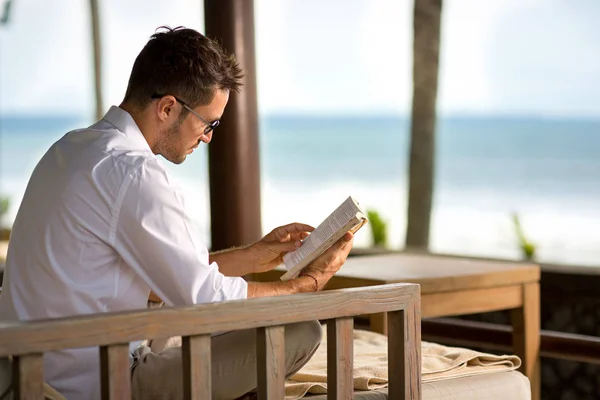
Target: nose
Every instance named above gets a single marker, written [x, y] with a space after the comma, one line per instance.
[206, 137]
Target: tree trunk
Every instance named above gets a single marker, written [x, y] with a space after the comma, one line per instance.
[426, 44]
[97, 46]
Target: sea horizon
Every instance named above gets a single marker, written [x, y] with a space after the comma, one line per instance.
[546, 169]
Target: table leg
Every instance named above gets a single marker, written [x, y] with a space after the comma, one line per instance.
[526, 336]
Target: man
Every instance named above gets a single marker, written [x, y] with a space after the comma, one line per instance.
[102, 225]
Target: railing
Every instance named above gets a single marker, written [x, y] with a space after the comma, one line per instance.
[566, 346]
[27, 341]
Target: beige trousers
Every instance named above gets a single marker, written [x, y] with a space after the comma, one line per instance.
[159, 375]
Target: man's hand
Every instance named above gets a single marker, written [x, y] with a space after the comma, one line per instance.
[321, 269]
[330, 262]
[268, 252]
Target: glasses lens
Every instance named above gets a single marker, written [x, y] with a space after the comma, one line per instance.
[212, 126]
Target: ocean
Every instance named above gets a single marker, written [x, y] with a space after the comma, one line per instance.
[487, 167]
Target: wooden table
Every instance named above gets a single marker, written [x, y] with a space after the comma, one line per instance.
[453, 286]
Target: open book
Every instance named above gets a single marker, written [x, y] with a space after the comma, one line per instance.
[347, 217]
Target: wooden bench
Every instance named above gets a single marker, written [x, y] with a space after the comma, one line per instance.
[27, 341]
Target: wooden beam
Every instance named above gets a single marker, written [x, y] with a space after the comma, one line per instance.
[471, 301]
[484, 335]
[90, 330]
[426, 44]
[234, 168]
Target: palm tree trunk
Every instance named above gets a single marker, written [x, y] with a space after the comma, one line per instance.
[426, 44]
[97, 45]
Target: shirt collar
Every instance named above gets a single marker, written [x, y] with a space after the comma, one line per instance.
[125, 123]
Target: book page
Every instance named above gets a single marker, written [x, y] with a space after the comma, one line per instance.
[340, 217]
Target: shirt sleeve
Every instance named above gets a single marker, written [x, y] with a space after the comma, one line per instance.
[154, 235]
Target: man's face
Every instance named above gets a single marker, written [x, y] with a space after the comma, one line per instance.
[183, 136]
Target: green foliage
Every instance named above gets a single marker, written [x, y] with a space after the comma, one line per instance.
[527, 247]
[378, 228]
[4, 203]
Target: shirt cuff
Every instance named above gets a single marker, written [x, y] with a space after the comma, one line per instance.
[233, 288]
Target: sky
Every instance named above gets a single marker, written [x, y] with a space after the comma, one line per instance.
[527, 57]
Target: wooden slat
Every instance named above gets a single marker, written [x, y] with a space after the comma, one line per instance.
[472, 301]
[114, 372]
[485, 335]
[270, 354]
[196, 357]
[404, 353]
[28, 377]
[397, 378]
[84, 331]
[340, 358]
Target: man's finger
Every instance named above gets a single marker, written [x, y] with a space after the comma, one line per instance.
[300, 235]
[289, 232]
[284, 247]
[295, 227]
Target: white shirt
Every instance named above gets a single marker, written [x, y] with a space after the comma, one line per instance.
[101, 223]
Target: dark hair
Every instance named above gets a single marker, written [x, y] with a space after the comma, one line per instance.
[184, 63]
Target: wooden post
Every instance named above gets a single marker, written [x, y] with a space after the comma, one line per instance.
[234, 168]
[270, 357]
[404, 352]
[340, 358]
[97, 46]
[196, 357]
[426, 44]
[526, 336]
[115, 377]
[28, 377]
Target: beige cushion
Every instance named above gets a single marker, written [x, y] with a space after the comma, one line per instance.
[496, 386]
[370, 368]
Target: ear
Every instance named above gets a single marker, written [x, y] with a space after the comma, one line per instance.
[165, 107]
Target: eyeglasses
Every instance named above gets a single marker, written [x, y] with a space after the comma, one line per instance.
[210, 126]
